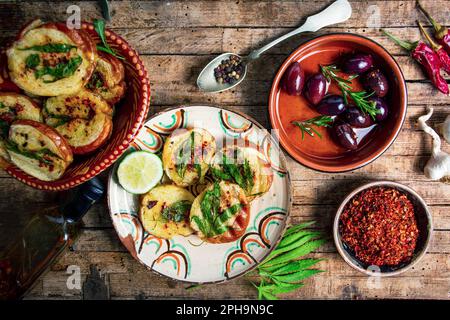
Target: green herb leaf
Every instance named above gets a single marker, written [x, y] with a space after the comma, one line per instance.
[306, 126]
[4, 129]
[219, 174]
[99, 26]
[295, 228]
[37, 155]
[297, 252]
[304, 239]
[226, 215]
[275, 289]
[32, 61]
[241, 174]
[283, 270]
[60, 71]
[297, 276]
[177, 212]
[292, 266]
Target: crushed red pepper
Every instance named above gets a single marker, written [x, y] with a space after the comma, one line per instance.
[380, 226]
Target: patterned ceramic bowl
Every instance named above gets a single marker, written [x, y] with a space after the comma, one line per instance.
[188, 258]
[129, 117]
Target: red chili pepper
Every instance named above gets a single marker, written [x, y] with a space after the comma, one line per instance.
[429, 60]
[441, 33]
[444, 58]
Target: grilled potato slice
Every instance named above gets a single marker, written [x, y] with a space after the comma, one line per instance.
[14, 106]
[254, 174]
[84, 119]
[108, 78]
[38, 150]
[233, 213]
[159, 200]
[49, 59]
[187, 154]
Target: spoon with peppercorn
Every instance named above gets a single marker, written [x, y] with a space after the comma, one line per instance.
[229, 69]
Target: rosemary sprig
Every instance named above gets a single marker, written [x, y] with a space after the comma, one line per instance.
[283, 271]
[306, 126]
[358, 97]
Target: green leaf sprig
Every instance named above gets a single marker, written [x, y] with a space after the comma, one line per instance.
[358, 97]
[32, 61]
[306, 126]
[283, 270]
[99, 26]
[51, 48]
[241, 174]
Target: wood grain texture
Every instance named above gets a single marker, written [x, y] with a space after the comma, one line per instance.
[176, 39]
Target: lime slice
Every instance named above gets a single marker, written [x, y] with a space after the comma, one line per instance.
[139, 172]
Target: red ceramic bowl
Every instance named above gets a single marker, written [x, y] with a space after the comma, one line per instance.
[129, 117]
[325, 154]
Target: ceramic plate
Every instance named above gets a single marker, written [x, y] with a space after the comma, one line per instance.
[188, 258]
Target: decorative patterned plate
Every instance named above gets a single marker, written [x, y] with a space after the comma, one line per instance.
[187, 258]
[130, 114]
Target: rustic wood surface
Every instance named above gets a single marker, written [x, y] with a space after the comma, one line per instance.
[176, 38]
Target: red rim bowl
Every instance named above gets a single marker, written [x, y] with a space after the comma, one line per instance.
[325, 155]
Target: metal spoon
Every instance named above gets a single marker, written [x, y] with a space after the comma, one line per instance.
[338, 11]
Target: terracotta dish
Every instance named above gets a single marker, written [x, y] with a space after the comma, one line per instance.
[324, 154]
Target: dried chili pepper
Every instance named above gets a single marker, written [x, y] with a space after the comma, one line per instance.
[429, 60]
[441, 33]
[444, 58]
[379, 225]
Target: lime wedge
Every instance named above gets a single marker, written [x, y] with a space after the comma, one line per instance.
[139, 172]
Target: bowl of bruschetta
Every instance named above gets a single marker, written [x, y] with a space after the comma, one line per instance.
[71, 102]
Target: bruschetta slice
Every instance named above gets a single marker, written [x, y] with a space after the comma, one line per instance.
[108, 78]
[245, 166]
[83, 119]
[14, 106]
[49, 59]
[165, 211]
[220, 213]
[187, 154]
[38, 150]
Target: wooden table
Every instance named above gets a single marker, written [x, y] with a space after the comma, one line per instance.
[176, 38]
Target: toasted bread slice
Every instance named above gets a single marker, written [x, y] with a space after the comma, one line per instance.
[83, 119]
[232, 218]
[50, 59]
[151, 213]
[108, 78]
[13, 107]
[255, 174]
[38, 150]
[184, 163]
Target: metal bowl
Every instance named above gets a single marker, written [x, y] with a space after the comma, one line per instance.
[424, 224]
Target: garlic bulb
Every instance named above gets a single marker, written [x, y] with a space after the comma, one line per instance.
[438, 166]
[444, 129]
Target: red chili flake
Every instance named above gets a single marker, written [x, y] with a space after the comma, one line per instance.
[380, 226]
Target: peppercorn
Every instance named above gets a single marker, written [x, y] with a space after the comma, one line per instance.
[229, 70]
